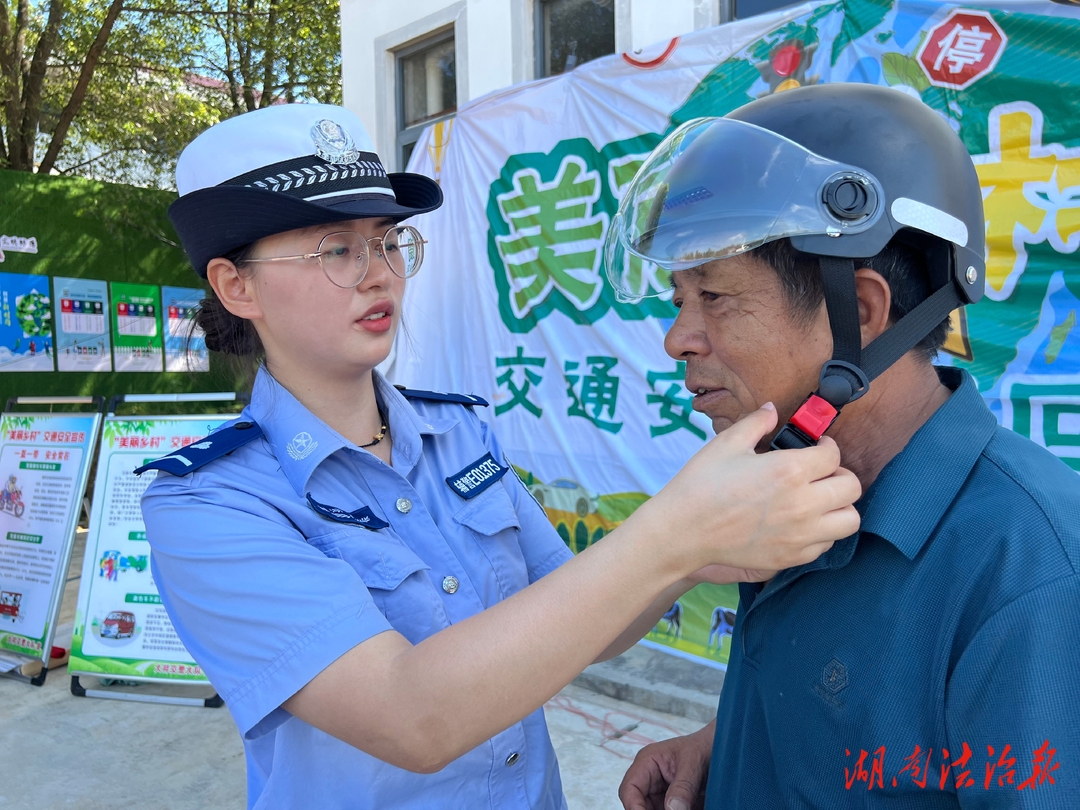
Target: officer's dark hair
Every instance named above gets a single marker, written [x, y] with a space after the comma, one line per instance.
[901, 264]
[225, 332]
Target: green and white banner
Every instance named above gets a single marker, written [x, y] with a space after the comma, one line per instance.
[44, 464]
[121, 629]
[513, 303]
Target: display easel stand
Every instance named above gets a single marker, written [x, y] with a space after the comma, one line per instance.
[122, 692]
[35, 670]
[215, 701]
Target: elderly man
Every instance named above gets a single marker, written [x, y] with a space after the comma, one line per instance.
[929, 660]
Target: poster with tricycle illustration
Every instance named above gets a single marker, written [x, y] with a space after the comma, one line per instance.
[44, 466]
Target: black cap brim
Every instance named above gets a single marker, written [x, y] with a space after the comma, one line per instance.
[216, 221]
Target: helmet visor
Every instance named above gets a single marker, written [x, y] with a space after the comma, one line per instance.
[716, 187]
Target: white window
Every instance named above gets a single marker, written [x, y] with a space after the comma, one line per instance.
[426, 88]
[572, 32]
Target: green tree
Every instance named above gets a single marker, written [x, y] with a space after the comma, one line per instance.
[272, 50]
[114, 90]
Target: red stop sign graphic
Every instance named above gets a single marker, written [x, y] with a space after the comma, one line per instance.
[962, 49]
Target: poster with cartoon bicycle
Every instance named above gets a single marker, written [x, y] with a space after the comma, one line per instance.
[41, 478]
[11, 499]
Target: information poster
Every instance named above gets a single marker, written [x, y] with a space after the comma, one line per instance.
[80, 312]
[121, 628]
[44, 463]
[136, 326]
[185, 343]
[26, 335]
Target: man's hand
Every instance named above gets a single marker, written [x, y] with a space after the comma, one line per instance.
[670, 775]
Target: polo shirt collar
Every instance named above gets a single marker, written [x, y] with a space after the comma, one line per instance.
[911, 495]
[302, 441]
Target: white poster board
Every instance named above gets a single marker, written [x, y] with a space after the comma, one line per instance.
[121, 628]
[44, 464]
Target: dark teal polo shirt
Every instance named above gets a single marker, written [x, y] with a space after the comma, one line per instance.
[950, 622]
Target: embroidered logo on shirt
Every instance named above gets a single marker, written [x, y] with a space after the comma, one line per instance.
[834, 679]
[359, 517]
[476, 477]
[301, 446]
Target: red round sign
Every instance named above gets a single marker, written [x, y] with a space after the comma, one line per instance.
[962, 49]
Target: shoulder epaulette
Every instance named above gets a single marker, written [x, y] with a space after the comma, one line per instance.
[188, 459]
[438, 396]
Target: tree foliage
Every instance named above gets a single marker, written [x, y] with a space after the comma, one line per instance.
[113, 89]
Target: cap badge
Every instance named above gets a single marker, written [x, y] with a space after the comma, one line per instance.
[333, 144]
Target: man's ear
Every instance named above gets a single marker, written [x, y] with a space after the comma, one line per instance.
[875, 303]
[232, 289]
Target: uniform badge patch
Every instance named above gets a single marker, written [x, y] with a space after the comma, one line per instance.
[475, 478]
[333, 144]
[358, 517]
[301, 446]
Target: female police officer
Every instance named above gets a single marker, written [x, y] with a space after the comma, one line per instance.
[384, 610]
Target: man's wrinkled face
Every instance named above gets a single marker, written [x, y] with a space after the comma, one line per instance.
[743, 343]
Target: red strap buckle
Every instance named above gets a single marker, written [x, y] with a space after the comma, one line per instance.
[814, 417]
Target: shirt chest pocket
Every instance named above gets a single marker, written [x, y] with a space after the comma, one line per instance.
[396, 578]
[492, 521]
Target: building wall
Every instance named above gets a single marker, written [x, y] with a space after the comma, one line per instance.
[494, 42]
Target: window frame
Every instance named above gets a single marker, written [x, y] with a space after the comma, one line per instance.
[406, 136]
[729, 10]
[539, 44]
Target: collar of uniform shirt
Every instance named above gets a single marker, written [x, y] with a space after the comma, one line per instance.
[301, 441]
[406, 425]
[913, 492]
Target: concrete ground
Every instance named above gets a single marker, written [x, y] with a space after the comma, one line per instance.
[60, 751]
[596, 738]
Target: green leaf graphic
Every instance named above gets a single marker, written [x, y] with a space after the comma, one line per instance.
[900, 69]
[860, 16]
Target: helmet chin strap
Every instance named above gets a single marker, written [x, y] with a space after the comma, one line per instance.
[847, 376]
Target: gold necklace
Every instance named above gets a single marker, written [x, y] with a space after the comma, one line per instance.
[378, 437]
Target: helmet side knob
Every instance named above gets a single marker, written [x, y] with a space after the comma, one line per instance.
[848, 199]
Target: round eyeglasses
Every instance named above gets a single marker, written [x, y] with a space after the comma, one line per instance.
[345, 256]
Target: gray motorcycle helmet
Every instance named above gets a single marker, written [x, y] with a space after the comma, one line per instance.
[926, 173]
[840, 170]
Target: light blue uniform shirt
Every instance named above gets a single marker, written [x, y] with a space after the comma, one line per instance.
[266, 592]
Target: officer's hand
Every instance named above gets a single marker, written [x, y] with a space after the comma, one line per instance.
[726, 575]
[669, 775]
[734, 507]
